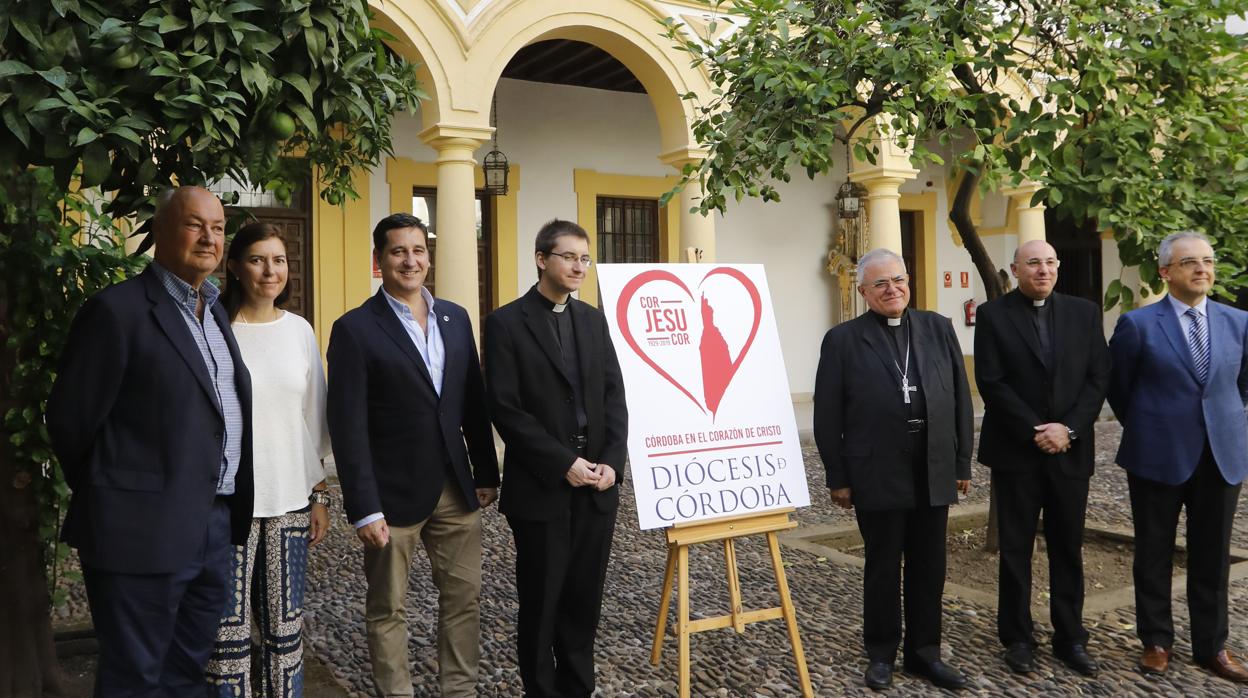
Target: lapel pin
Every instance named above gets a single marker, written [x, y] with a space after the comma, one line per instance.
[446, 318]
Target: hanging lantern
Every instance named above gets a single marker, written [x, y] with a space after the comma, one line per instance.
[849, 199]
[495, 164]
[496, 168]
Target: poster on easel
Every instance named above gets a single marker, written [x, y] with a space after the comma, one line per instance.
[711, 426]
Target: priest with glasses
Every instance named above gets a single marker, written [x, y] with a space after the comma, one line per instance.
[893, 423]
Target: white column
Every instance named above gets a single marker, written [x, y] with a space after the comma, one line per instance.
[697, 231]
[1030, 218]
[456, 260]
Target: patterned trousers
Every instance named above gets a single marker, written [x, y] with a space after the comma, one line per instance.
[268, 582]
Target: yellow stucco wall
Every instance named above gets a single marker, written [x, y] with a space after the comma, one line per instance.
[590, 185]
[340, 256]
[924, 205]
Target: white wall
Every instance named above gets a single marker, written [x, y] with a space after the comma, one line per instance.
[791, 239]
[551, 130]
[548, 131]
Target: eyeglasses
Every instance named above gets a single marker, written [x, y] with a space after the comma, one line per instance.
[1036, 263]
[899, 281]
[571, 258]
[1191, 263]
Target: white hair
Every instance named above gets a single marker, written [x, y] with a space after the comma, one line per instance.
[1165, 251]
[879, 254]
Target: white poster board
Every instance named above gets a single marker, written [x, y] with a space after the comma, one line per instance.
[711, 431]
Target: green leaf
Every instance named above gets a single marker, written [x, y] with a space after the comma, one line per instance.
[57, 77]
[17, 125]
[301, 84]
[95, 164]
[29, 30]
[171, 23]
[85, 136]
[305, 115]
[315, 39]
[10, 68]
[126, 133]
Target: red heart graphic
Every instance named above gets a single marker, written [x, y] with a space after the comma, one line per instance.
[717, 369]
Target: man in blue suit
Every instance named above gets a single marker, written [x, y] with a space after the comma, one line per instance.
[150, 418]
[1179, 386]
[405, 394]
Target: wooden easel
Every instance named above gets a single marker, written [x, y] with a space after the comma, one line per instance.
[679, 538]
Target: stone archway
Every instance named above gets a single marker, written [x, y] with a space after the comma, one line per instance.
[631, 32]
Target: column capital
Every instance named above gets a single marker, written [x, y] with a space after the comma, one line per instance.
[883, 176]
[682, 156]
[1023, 193]
[443, 135]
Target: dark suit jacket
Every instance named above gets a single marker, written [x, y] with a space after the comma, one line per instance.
[531, 402]
[1020, 390]
[1166, 412]
[135, 423]
[394, 438]
[860, 419]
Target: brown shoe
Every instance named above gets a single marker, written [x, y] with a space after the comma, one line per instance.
[1228, 667]
[1155, 660]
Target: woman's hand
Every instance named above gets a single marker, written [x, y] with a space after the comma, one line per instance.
[319, 524]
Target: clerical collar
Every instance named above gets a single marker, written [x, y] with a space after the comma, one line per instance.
[889, 321]
[551, 305]
[1038, 303]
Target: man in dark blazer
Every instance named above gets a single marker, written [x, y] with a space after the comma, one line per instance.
[557, 398]
[1179, 386]
[150, 418]
[1042, 368]
[893, 424]
[405, 394]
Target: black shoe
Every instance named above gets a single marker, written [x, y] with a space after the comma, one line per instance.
[940, 674]
[1076, 657]
[1019, 658]
[879, 675]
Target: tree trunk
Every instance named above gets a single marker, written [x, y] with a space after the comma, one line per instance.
[960, 215]
[28, 664]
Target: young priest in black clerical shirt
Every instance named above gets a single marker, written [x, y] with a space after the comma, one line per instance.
[557, 399]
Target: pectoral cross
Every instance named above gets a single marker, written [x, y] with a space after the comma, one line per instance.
[906, 388]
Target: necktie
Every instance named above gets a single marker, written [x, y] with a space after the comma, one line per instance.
[1198, 341]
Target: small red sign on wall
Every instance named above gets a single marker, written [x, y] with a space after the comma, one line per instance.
[948, 279]
[966, 279]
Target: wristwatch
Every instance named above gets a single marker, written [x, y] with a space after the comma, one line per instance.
[1071, 432]
[320, 497]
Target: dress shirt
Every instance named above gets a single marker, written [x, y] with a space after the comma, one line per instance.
[1180, 311]
[429, 340]
[216, 355]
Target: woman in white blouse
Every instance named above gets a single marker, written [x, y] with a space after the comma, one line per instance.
[289, 443]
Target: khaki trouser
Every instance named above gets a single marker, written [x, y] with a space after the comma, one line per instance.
[452, 539]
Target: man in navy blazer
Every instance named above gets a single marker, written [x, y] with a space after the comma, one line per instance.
[150, 418]
[1179, 386]
[405, 393]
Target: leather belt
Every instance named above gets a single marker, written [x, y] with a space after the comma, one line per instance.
[579, 442]
[915, 426]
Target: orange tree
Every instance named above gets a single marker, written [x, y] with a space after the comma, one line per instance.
[102, 103]
[1139, 123]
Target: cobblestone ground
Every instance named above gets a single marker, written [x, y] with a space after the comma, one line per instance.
[828, 597]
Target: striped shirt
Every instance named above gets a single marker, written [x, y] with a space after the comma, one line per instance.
[216, 354]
